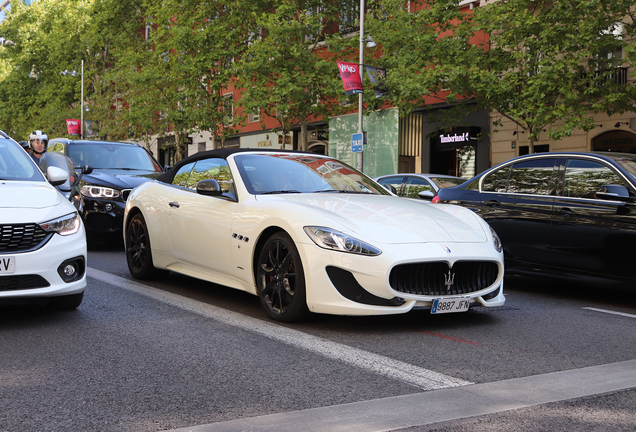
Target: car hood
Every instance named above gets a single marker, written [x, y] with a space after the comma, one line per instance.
[28, 195]
[119, 179]
[390, 219]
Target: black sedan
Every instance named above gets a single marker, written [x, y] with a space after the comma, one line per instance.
[559, 214]
[118, 167]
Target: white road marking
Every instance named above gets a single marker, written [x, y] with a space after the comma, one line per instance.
[611, 312]
[414, 375]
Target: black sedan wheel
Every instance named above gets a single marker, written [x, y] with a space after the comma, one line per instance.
[138, 251]
[281, 281]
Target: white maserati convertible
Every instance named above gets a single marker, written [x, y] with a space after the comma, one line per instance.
[309, 234]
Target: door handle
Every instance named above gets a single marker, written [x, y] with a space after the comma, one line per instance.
[174, 204]
[565, 212]
[492, 203]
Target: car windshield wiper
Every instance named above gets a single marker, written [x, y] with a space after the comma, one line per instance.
[280, 192]
[343, 191]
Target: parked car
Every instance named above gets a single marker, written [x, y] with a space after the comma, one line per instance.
[307, 233]
[559, 214]
[412, 185]
[43, 242]
[117, 168]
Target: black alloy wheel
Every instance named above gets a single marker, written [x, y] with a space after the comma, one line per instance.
[281, 280]
[138, 251]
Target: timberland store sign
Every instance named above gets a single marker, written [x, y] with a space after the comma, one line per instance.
[267, 140]
[458, 137]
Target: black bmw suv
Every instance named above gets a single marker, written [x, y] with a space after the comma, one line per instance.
[118, 167]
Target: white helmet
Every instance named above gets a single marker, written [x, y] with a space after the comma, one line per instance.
[38, 135]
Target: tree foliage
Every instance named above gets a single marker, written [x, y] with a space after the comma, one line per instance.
[42, 40]
[286, 71]
[156, 68]
[545, 65]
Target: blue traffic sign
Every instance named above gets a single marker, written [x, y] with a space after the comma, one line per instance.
[356, 142]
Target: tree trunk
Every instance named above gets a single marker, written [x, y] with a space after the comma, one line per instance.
[303, 135]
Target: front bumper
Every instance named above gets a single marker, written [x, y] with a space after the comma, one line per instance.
[44, 266]
[103, 218]
[373, 294]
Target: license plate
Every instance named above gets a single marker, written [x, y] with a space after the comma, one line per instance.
[450, 306]
[7, 264]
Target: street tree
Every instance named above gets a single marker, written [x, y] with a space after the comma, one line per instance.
[286, 72]
[544, 65]
[40, 41]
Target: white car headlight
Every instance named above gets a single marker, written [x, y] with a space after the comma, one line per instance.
[100, 192]
[65, 225]
[328, 238]
[496, 241]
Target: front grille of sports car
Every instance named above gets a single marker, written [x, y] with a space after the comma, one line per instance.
[21, 237]
[438, 279]
[12, 283]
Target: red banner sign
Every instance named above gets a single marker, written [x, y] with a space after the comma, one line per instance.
[350, 74]
[73, 126]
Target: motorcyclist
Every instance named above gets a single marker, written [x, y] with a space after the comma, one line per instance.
[38, 141]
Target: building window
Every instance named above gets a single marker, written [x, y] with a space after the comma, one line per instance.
[228, 109]
[349, 15]
[254, 116]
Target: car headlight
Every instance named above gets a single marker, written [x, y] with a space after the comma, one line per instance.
[65, 225]
[496, 241]
[328, 238]
[100, 192]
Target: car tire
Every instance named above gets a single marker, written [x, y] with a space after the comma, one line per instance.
[139, 251]
[68, 302]
[281, 280]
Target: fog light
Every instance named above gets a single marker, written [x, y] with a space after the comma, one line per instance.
[69, 270]
[72, 269]
[108, 207]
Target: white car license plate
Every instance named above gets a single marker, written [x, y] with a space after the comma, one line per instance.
[7, 264]
[449, 306]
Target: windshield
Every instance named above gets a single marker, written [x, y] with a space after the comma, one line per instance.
[292, 173]
[112, 156]
[15, 164]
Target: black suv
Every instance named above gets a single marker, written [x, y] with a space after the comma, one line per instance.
[118, 167]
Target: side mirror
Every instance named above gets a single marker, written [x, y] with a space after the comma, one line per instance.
[56, 176]
[613, 192]
[427, 195]
[209, 187]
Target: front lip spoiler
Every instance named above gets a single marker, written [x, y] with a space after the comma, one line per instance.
[347, 285]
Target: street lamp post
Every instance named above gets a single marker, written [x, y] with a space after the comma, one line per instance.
[361, 66]
[74, 73]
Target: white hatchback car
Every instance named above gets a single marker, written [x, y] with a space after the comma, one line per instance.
[42, 238]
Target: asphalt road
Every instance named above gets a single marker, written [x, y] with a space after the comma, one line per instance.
[184, 354]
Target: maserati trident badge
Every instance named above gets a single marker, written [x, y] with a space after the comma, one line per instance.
[449, 280]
